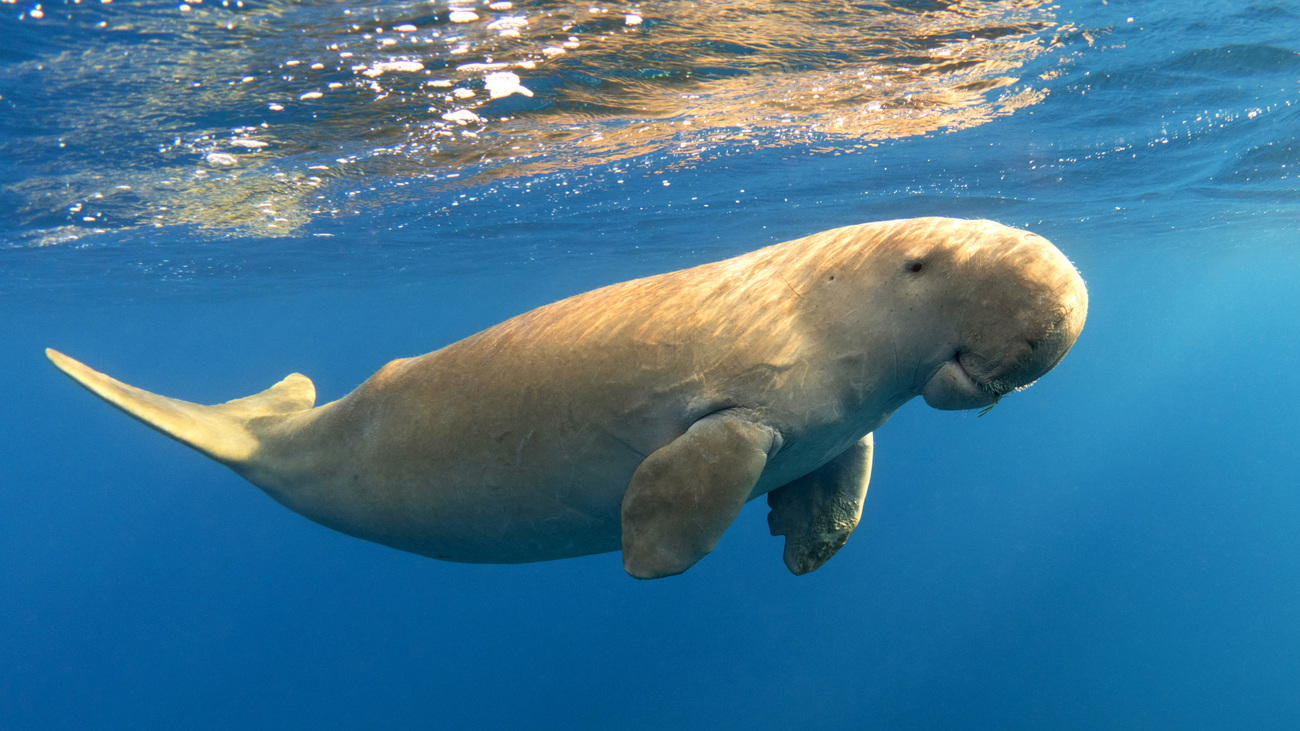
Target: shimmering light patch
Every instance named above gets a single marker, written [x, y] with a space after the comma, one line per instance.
[509, 25]
[471, 67]
[380, 67]
[462, 116]
[504, 83]
[219, 158]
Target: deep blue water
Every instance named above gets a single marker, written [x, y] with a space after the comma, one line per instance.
[1117, 547]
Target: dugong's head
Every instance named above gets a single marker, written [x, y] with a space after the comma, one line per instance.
[989, 308]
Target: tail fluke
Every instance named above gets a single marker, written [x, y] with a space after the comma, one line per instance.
[222, 432]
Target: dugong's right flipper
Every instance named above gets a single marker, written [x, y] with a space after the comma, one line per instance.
[685, 494]
[226, 432]
[817, 512]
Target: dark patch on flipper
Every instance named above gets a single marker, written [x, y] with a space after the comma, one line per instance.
[685, 494]
[817, 512]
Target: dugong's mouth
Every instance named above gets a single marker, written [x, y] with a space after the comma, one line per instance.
[996, 388]
[953, 387]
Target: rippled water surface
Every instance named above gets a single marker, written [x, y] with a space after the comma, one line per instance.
[202, 197]
[254, 118]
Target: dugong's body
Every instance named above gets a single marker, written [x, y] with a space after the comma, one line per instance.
[643, 415]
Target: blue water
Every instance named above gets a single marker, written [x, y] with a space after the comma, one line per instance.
[1117, 547]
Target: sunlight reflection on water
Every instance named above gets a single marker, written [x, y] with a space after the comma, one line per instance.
[241, 116]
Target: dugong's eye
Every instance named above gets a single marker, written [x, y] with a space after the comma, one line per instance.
[915, 266]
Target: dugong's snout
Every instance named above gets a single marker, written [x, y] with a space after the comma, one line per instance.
[1031, 308]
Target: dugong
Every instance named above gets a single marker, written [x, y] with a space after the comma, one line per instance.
[643, 415]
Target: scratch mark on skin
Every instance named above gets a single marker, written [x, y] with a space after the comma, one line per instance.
[893, 342]
[520, 449]
[625, 443]
[787, 283]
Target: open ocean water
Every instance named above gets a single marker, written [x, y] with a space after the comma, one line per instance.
[200, 198]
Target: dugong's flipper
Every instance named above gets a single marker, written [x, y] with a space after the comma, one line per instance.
[685, 494]
[817, 512]
[225, 432]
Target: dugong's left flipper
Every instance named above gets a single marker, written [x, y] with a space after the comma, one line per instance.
[685, 494]
[817, 512]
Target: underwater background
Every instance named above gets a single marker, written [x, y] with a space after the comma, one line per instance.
[200, 198]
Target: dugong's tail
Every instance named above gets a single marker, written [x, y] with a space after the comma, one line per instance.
[225, 432]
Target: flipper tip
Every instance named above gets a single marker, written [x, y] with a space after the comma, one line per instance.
[71, 366]
[56, 357]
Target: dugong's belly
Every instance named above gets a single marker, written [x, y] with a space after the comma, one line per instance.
[498, 491]
[514, 499]
[477, 475]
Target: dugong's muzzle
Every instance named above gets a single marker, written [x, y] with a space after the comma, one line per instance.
[968, 381]
[1021, 335]
[952, 388]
